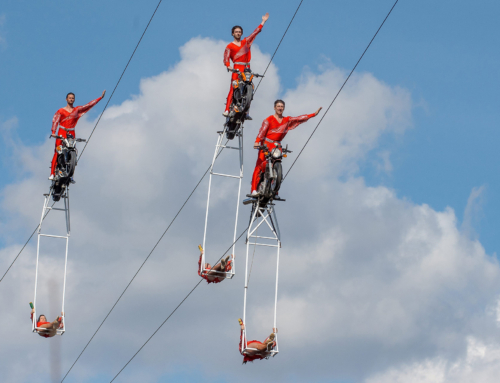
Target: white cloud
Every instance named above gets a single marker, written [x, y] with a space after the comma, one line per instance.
[369, 282]
[480, 364]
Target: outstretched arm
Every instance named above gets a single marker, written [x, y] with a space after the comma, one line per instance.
[254, 34]
[296, 121]
[85, 108]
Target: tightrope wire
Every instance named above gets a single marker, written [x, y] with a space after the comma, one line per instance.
[185, 202]
[95, 126]
[340, 90]
[154, 333]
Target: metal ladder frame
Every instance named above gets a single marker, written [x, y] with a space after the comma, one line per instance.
[218, 149]
[46, 209]
[261, 215]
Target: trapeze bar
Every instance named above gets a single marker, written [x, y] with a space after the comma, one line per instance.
[225, 175]
[53, 236]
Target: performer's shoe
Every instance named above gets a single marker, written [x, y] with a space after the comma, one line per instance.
[51, 178]
[71, 180]
[247, 117]
[226, 113]
[226, 262]
[255, 193]
[270, 342]
[223, 264]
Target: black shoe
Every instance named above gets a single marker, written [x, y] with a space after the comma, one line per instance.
[72, 181]
[247, 117]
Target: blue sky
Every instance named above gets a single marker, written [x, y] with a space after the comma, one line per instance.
[444, 54]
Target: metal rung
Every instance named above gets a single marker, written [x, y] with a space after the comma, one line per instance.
[228, 147]
[258, 236]
[53, 236]
[225, 175]
[263, 244]
[55, 208]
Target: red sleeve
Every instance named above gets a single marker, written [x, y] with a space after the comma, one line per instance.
[296, 121]
[55, 122]
[263, 131]
[242, 340]
[85, 108]
[226, 56]
[254, 34]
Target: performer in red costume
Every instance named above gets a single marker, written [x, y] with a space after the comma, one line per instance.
[239, 53]
[273, 130]
[213, 275]
[65, 119]
[50, 327]
[258, 350]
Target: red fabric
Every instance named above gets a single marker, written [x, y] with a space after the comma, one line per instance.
[212, 279]
[240, 53]
[38, 324]
[68, 120]
[276, 131]
[251, 358]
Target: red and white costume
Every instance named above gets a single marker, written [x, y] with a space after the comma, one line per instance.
[254, 354]
[38, 324]
[213, 278]
[66, 122]
[240, 56]
[271, 133]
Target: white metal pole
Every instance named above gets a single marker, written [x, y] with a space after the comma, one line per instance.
[45, 203]
[219, 140]
[240, 140]
[246, 274]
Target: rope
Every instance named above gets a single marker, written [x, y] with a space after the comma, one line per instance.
[179, 305]
[95, 126]
[29, 239]
[340, 90]
[172, 219]
[116, 86]
[270, 61]
[154, 333]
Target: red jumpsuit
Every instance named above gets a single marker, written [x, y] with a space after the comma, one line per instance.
[66, 121]
[258, 355]
[38, 324]
[211, 278]
[240, 56]
[271, 133]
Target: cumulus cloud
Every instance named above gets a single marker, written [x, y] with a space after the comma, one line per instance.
[370, 284]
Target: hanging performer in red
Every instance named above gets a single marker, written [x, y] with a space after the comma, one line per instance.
[272, 132]
[215, 274]
[254, 348]
[239, 53]
[49, 328]
[65, 121]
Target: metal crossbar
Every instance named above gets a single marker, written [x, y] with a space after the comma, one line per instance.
[261, 215]
[218, 148]
[65, 197]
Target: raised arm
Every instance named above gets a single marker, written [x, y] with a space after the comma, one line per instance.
[85, 108]
[254, 34]
[296, 121]
[55, 122]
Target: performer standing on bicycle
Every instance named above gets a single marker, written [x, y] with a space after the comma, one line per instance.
[273, 130]
[65, 119]
[239, 53]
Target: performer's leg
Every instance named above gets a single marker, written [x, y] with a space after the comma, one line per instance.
[260, 166]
